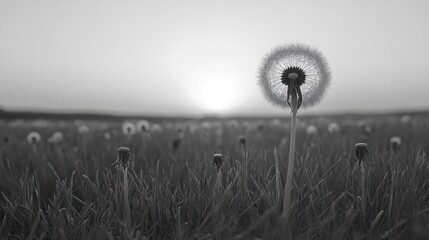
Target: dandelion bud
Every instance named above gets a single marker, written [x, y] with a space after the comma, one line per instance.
[33, 137]
[333, 127]
[395, 143]
[311, 130]
[83, 129]
[128, 129]
[57, 137]
[218, 160]
[143, 125]
[361, 152]
[123, 158]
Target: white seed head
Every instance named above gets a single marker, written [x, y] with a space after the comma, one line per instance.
[33, 137]
[56, 137]
[143, 125]
[311, 130]
[128, 129]
[333, 127]
[83, 129]
[405, 119]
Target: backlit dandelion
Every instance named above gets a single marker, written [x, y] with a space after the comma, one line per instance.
[311, 130]
[294, 76]
[83, 129]
[128, 129]
[395, 143]
[333, 127]
[294, 69]
[56, 137]
[143, 125]
[33, 137]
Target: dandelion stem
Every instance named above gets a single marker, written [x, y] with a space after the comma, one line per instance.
[288, 187]
[126, 202]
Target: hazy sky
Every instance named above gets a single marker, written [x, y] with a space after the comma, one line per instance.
[196, 57]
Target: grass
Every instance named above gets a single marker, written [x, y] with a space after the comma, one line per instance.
[71, 191]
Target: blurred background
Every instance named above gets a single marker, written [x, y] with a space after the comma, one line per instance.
[198, 58]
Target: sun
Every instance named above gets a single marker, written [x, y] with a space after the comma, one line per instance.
[216, 95]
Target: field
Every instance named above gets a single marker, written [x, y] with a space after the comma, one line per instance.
[69, 189]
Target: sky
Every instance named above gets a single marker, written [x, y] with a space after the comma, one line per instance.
[202, 57]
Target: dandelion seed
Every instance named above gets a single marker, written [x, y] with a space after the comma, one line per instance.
[143, 125]
[56, 137]
[218, 161]
[128, 129]
[156, 128]
[293, 76]
[333, 128]
[33, 137]
[311, 130]
[395, 143]
[83, 129]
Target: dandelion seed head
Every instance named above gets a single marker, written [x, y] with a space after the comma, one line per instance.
[107, 136]
[143, 125]
[311, 130]
[56, 137]
[33, 137]
[395, 143]
[333, 127]
[294, 64]
[405, 119]
[83, 129]
[128, 129]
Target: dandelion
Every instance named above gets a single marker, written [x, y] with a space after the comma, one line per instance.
[405, 119]
[155, 128]
[242, 140]
[128, 129]
[143, 125]
[233, 124]
[395, 143]
[333, 127]
[275, 123]
[218, 161]
[362, 154]
[206, 126]
[293, 76]
[107, 136]
[33, 137]
[56, 137]
[83, 129]
[123, 163]
[311, 130]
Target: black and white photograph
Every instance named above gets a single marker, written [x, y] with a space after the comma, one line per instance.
[212, 120]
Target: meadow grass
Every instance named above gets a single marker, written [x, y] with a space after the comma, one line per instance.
[70, 190]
